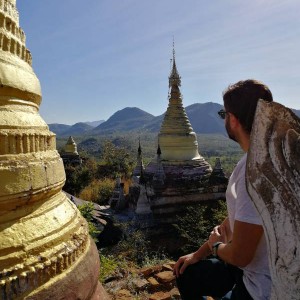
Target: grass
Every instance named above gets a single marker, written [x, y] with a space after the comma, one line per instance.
[109, 266]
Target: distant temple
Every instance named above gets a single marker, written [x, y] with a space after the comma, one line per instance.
[45, 248]
[179, 176]
[70, 154]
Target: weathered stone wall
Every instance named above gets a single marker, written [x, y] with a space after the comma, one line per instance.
[273, 180]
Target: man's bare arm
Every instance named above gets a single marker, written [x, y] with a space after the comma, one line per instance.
[241, 250]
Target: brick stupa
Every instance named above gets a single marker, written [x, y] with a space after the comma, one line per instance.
[45, 249]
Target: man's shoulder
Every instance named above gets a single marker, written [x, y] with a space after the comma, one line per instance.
[240, 168]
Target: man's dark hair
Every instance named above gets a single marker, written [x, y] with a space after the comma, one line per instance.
[241, 99]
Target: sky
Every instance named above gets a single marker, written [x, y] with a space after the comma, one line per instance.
[96, 57]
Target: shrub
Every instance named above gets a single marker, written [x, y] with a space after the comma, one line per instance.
[198, 221]
[109, 265]
[98, 191]
[106, 189]
[87, 212]
[134, 245]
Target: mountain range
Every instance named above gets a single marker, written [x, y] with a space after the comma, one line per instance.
[203, 117]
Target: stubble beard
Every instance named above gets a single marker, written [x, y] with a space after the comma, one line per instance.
[229, 132]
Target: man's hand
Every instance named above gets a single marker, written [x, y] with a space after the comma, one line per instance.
[242, 247]
[183, 262]
[218, 234]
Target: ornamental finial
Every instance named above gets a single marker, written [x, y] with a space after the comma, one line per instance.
[174, 78]
[173, 49]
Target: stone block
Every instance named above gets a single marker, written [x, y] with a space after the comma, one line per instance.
[153, 282]
[175, 293]
[140, 284]
[160, 296]
[124, 294]
[155, 286]
[147, 271]
[168, 267]
[165, 276]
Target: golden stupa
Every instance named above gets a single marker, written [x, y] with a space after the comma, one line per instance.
[177, 140]
[45, 249]
[70, 154]
[71, 146]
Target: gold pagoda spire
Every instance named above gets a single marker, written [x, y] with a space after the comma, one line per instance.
[45, 248]
[177, 139]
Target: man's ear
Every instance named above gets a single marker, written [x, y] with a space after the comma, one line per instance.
[233, 120]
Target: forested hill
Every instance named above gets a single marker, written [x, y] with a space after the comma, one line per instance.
[203, 117]
[127, 119]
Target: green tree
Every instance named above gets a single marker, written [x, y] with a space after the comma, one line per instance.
[198, 221]
[116, 161]
[99, 191]
[106, 189]
[80, 176]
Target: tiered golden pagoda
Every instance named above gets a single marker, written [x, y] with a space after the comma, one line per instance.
[177, 140]
[45, 249]
[180, 175]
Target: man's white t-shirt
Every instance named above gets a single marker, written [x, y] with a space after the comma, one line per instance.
[240, 207]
